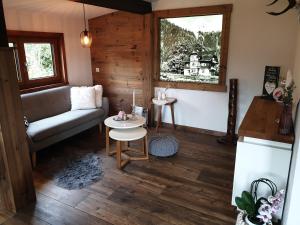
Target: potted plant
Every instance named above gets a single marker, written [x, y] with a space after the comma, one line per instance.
[259, 211]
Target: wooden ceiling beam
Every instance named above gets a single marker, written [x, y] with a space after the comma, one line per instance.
[3, 32]
[133, 6]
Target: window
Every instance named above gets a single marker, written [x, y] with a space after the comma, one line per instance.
[40, 59]
[192, 47]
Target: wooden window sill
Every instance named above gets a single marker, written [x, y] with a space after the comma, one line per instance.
[192, 86]
[40, 88]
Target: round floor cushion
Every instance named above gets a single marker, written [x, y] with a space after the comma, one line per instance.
[163, 145]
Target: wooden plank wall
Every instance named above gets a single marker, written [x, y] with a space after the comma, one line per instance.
[122, 49]
[16, 183]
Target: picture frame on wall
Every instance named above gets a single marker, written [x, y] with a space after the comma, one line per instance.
[191, 47]
[271, 81]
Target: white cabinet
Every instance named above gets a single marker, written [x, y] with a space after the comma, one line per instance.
[257, 158]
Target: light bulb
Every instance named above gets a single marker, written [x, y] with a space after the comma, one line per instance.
[86, 40]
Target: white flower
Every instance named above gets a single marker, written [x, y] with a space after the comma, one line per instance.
[271, 199]
[279, 197]
[276, 201]
[265, 218]
[265, 210]
[276, 206]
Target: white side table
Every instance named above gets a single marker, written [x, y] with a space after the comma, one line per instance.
[160, 103]
[110, 123]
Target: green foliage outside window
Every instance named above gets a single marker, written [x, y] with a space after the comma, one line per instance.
[39, 60]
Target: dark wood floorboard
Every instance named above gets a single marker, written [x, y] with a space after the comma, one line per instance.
[191, 188]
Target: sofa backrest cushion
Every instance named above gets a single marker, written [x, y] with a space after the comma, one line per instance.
[46, 103]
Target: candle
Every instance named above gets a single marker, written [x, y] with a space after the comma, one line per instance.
[133, 98]
[289, 79]
[159, 95]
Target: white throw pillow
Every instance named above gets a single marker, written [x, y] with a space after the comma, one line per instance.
[83, 98]
[99, 93]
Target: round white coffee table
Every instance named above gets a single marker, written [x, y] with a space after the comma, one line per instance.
[131, 123]
[137, 121]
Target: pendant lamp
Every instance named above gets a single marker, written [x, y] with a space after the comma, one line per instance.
[85, 36]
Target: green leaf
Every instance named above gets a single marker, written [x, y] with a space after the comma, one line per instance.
[246, 202]
[240, 203]
[250, 210]
[247, 197]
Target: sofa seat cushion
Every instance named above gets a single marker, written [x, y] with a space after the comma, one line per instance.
[42, 129]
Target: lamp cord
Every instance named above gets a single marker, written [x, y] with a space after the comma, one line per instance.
[84, 15]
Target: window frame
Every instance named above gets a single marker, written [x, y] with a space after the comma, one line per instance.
[59, 59]
[224, 10]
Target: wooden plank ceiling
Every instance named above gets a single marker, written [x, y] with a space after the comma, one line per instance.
[133, 6]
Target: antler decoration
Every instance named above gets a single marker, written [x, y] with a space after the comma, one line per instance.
[292, 4]
[272, 3]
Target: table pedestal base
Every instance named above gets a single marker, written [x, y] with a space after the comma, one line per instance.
[123, 146]
[123, 159]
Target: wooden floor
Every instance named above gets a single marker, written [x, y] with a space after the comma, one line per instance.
[194, 187]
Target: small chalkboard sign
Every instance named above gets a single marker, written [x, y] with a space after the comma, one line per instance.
[271, 80]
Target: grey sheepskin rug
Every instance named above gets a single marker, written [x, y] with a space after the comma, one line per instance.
[80, 173]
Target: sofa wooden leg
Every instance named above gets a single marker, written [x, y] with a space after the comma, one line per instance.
[33, 159]
[100, 131]
[100, 128]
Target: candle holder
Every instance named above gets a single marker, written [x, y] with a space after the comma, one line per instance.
[133, 115]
